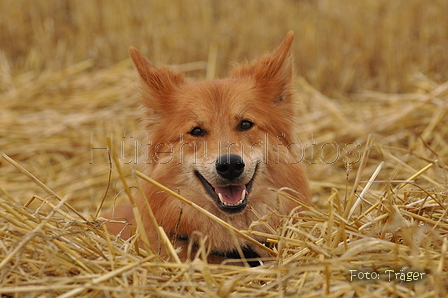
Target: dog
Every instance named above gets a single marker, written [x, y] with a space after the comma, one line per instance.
[222, 144]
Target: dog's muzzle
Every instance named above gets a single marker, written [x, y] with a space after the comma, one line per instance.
[231, 197]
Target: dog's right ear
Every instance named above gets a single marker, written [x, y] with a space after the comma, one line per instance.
[160, 82]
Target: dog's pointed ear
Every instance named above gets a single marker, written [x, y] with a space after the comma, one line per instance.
[282, 60]
[159, 82]
[273, 72]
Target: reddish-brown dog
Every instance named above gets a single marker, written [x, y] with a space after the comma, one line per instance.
[221, 144]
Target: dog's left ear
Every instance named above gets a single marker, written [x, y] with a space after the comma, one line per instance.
[280, 66]
[272, 72]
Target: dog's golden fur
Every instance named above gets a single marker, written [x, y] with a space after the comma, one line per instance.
[251, 116]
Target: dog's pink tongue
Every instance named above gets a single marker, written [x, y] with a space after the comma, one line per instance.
[231, 194]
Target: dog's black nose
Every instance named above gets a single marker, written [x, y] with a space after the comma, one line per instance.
[229, 166]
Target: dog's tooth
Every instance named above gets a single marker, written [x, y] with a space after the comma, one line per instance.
[243, 195]
[220, 198]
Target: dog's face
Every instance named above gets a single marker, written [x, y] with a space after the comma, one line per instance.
[220, 134]
[221, 144]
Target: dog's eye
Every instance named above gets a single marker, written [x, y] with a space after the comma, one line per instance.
[245, 125]
[197, 132]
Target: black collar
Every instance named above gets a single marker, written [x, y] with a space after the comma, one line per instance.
[247, 252]
[233, 254]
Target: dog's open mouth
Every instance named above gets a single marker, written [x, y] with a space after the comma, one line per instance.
[230, 198]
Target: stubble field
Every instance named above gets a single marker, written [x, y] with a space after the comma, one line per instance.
[372, 78]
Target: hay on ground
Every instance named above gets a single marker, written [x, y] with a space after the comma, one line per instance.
[381, 209]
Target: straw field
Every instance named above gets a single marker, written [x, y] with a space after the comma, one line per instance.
[372, 77]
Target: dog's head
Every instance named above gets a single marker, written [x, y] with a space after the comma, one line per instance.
[222, 128]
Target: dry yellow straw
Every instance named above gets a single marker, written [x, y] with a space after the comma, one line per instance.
[41, 184]
[135, 211]
[211, 62]
[30, 235]
[416, 175]
[105, 277]
[369, 184]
